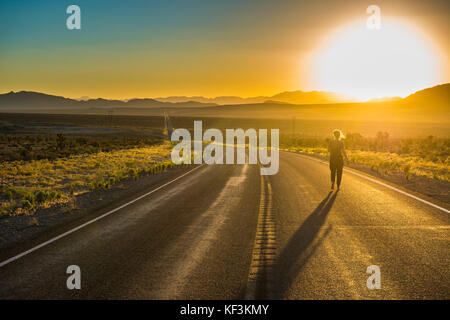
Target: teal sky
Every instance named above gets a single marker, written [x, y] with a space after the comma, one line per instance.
[157, 48]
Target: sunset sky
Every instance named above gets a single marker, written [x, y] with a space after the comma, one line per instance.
[148, 48]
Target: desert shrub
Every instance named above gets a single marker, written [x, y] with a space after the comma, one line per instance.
[11, 206]
[26, 204]
[60, 141]
[92, 185]
[28, 196]
[41, 196]
[407, 171]
[134, 173]
[8, 194]
[54, 195]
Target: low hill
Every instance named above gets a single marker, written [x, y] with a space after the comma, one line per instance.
[293, 97]
[437, 97]
[310, 97]
[36, 100]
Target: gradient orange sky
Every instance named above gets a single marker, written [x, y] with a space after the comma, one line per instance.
[129, 49]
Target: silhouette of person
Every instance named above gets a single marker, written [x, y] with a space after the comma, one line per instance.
[336, 149]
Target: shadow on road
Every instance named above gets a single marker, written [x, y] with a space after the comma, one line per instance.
[301, 247]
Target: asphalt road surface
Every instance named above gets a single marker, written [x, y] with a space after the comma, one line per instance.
[225, 232]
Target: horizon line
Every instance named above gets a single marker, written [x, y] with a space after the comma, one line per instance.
[344, 96]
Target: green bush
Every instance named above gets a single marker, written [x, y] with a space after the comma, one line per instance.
[26, 204]
[12, 206]
[41, 196]
[54, 195]
[28, 196]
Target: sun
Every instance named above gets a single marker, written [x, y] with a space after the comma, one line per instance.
[395, 60]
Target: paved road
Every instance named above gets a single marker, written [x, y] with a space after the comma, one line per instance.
[224, 232]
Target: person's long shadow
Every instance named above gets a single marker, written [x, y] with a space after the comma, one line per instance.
[301, 247]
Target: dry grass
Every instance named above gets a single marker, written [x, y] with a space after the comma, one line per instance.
[389, 163]
[28, 185]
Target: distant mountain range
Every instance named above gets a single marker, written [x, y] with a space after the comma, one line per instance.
[292, 97]
[438, 97]
[30, 99]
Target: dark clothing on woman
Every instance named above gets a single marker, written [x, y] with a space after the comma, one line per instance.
[336, 148]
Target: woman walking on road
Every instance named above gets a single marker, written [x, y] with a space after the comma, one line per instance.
[337, 150]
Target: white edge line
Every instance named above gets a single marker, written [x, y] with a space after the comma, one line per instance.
[381, 183]
[20, 255]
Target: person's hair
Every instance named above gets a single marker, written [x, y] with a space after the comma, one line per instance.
[338, 134]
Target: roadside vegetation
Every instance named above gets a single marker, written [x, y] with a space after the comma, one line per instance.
[53, 146]
[43, 170]
[425, 157]
[61, 168]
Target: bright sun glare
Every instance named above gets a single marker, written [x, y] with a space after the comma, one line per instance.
[392, 61]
